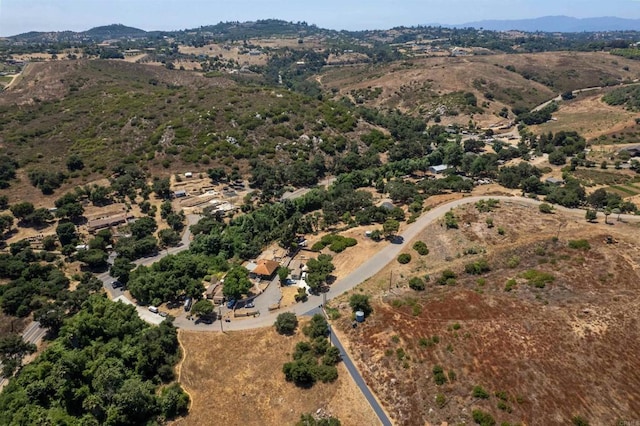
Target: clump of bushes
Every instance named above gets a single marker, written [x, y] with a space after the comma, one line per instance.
[404, 258]
[336, 243]
[476, 268]
[448, 277]
[421, 248]
[538, 278]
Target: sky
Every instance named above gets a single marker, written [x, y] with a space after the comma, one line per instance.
[19, 16]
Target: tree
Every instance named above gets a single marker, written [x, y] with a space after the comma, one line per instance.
[236, 283]
[173, 401]
[202, 308]
[121, 269]
[283, 273]
[360, 302]
[93, 258]
[317, 327]
[143, 227]
[168, 238]
[22, 210]
[286, 323]
[66, 232]
[74, 162]
[390, 227]
[590, 215]
[318, 271]
[6, 222]
[12, 350]
[162, 188]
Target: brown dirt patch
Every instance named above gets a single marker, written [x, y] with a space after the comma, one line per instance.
[236, 378]
[558, 351]
[589, 116]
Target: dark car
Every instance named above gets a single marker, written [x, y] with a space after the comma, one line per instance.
[231, 303]
[116, 284]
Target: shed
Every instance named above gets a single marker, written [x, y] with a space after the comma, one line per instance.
[554, 181]
[180, 194]
[438, 169]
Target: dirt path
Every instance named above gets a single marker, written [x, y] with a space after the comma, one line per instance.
[18, 77]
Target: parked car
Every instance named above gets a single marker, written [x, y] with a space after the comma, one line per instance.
[187, 304]
[153, 309]
[163, 314]
[116, 284]
[249, 305]
[231, 303]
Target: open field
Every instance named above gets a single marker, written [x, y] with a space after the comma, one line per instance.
[417, 86]
[552, 346]
[589, 116]
[236, 379]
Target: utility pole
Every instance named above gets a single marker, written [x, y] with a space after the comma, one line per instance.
[220, 317]
[390, 279]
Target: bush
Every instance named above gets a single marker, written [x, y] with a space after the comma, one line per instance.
[477, 268]
[545, 208]
[421, 248]
[482, 418]
[438, 375]
[579, 244]
[416, 283]
[450, 220]
[510, 285]
[286, 323]
[479, 392]
[447, 275]
[404, 258]
[360, 302]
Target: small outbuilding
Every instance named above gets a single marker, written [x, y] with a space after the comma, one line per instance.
[438, 169]
[554, 181]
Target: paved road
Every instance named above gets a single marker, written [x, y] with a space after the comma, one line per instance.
[355, 374]
[32, 334]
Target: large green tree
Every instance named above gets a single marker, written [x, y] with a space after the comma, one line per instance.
[236, 283]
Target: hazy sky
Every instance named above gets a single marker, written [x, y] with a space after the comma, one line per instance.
[18, 16]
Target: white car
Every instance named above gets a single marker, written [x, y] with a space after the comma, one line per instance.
[250, 305]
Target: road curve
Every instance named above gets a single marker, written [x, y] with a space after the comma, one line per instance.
[376, 263]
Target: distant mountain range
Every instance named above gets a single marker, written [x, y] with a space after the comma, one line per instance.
[554, 24]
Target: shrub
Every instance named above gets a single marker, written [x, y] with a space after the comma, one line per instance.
[545, 208]
[510, 285]
[286, 323]
[438, 375]
[450, 220]
[416, 283]
[482, 418]
[579, 244]
[360, 302]
[404, 258]
[579, 421]
[421, 248]
[477, 268]
[318, 246]
[479, 392]
[447, 275]
[441, 400]
[513, 261]
[538, 278]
